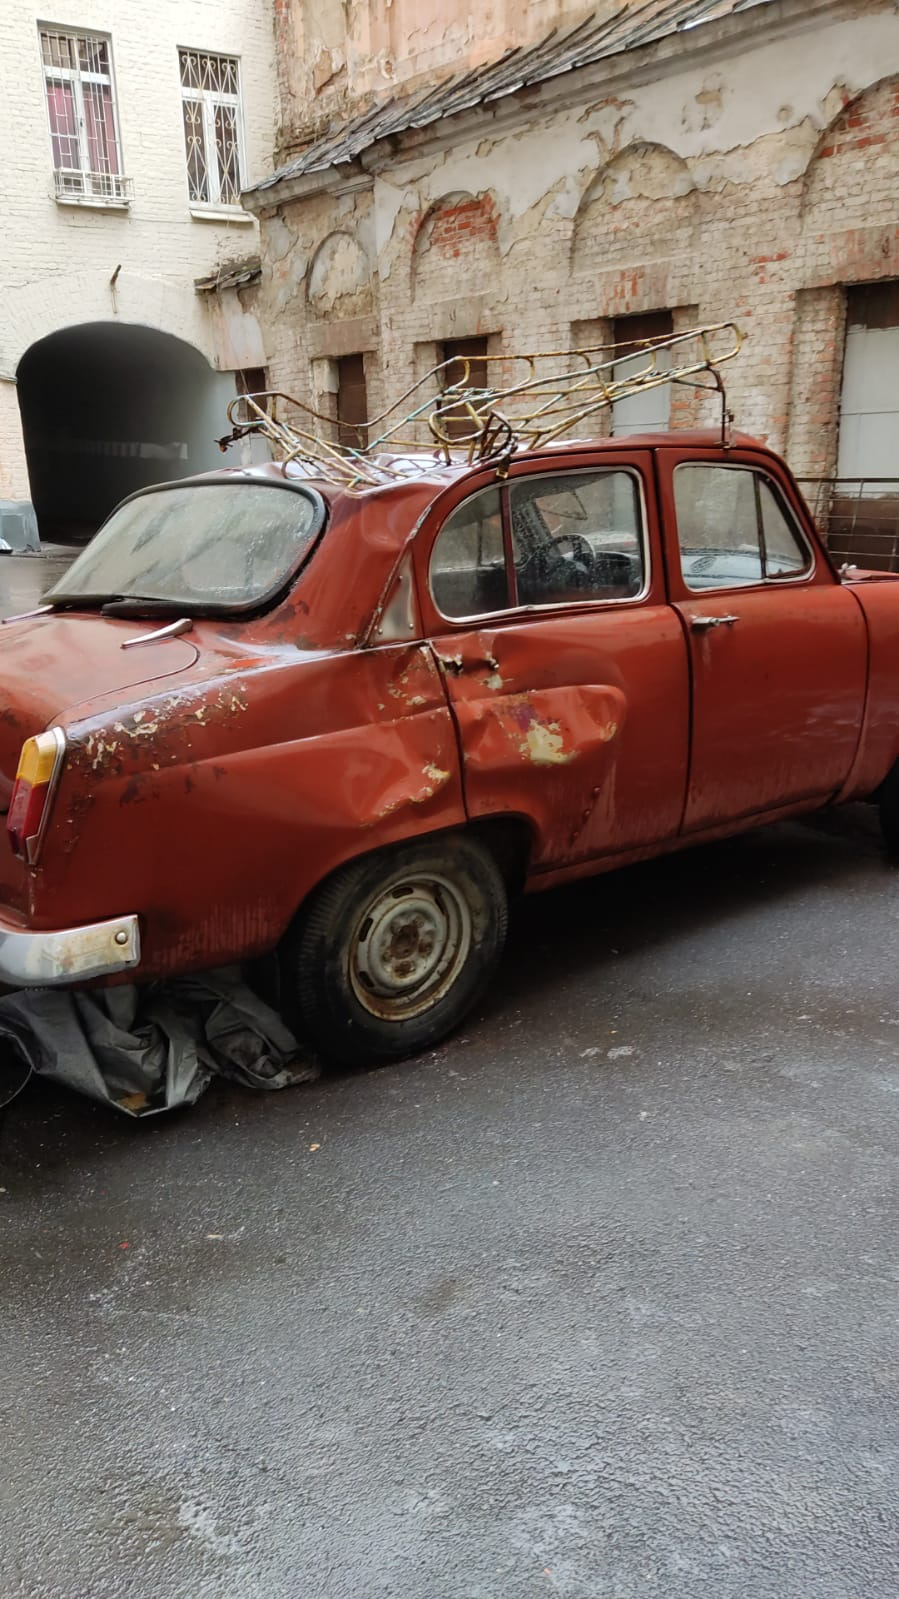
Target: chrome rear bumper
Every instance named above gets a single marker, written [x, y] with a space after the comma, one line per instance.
[69, 955]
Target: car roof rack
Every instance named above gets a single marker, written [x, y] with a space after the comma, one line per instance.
[520, 403]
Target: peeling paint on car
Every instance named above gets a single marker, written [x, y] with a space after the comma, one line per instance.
[543, 744]
[248, 757]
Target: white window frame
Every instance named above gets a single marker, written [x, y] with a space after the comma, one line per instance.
[81, 185]
[208, 100]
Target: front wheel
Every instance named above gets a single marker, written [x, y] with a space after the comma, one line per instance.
[394, 949]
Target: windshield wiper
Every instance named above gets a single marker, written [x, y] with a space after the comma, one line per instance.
[134, 605]
[116, 604]
[79, 602]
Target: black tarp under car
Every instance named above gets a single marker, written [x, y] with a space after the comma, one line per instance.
[146, 1050]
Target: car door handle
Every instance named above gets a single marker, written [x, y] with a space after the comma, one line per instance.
[456, 664]
[700, 624]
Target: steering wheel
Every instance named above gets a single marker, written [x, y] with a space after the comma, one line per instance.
[543, 562]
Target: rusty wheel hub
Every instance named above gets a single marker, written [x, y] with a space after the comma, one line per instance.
[409, 946]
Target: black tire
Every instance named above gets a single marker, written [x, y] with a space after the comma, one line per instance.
[888, 809]
[390, 953]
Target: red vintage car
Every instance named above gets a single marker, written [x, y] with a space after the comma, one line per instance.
[265, 712]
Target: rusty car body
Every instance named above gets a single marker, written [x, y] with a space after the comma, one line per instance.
[445, 689]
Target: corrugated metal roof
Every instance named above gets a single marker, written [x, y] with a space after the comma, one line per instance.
[231, 275]
[592, 40]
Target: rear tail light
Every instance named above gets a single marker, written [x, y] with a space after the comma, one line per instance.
[29, 809]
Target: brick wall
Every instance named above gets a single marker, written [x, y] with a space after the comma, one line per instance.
[868, 124]
[756, 189]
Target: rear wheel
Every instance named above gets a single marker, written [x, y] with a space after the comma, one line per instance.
[394, 949]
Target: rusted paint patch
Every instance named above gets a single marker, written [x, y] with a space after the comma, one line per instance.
[435, 779]
[543, 744]
[134, 791]
[436, 775]
[549, 753]
[541, 740]
[102, 751]
[585, 817]
[413, 687]
[550, 727]
[110, 748]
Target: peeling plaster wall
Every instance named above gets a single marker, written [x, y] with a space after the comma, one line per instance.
[336, 54]
[750, 189]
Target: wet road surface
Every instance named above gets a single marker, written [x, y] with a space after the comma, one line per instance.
[24, 579]
[598, 1300]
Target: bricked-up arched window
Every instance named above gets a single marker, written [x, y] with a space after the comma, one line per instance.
[210, 98]
[456, 249]
[850, 182]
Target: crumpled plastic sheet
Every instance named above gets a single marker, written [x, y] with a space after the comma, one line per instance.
[146, 1050]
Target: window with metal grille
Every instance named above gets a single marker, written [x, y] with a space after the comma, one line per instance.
[81, 109]
[210, 98]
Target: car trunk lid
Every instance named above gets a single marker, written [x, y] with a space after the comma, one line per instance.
[51, 664]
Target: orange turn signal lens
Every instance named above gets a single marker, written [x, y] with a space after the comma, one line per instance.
[39, 766]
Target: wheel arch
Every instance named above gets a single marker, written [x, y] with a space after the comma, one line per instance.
[391, 950]
[511, 840]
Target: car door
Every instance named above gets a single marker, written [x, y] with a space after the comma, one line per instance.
[778, 651]
[566, 669]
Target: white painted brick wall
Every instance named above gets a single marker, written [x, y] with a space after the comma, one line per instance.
[56, 261]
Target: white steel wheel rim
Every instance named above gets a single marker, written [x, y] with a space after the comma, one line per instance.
[408, 947]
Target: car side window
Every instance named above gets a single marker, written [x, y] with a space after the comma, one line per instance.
[577, 536]
[783, 553]
[733, 529]
[468, 563]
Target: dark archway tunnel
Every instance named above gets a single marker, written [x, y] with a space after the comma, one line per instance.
[108, 408]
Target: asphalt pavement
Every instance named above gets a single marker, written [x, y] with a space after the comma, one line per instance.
[25, 579]
[597, 1300]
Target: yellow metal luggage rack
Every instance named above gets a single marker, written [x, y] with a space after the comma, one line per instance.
[548, 398]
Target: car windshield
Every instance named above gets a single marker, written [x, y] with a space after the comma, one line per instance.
[200, 546]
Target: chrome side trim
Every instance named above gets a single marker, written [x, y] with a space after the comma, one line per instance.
[23, 616]
[71, 955]
[183, 625]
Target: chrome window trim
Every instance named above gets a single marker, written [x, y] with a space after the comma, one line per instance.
[554, 605]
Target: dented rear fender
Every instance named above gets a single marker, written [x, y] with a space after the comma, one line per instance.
[214, 814]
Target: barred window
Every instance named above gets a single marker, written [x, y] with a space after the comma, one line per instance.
[81, 109]
[210, 96]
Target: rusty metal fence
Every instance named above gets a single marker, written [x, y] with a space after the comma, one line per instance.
[858, 519]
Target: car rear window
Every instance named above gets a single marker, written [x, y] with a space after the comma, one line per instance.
[223, 546]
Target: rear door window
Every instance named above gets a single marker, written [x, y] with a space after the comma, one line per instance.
[543, 540]
[468, 563]
[733, 529]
